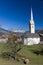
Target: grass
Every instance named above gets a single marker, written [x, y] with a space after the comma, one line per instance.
[27, 52]
[9, 62]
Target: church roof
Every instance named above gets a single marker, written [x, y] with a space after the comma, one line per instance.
[30, 35]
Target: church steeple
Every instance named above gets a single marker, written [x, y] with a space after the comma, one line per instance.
[32, 25]
[31, 14]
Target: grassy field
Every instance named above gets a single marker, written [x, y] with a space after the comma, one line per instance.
[26, 52]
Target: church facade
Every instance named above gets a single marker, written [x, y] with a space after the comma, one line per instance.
[30, 37]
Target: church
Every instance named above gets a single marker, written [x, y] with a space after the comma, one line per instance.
[30, 37]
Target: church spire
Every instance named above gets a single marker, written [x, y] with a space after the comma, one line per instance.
[31, 14]
[32, 25]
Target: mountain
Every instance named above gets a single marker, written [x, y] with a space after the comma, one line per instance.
[3, 31]
[39, 31]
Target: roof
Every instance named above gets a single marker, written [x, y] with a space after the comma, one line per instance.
[30, 35]
[41, 35]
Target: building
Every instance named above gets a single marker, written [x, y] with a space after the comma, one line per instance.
[41, 38]
[30, 37]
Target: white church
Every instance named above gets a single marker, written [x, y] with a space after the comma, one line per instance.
[30, 37]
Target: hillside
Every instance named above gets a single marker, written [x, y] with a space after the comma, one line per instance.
[3, 31]
[25, 52]
[39, 31]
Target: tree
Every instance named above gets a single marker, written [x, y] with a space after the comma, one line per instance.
[14, 46]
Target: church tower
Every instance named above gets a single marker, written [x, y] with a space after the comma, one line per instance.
[32, 25]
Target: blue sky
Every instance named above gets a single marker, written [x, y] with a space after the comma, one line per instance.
[16, 13]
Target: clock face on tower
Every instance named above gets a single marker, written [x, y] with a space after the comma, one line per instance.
[32, 26]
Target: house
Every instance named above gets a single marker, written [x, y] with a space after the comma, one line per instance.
[4, 38]
[30, 37]
[41, 38]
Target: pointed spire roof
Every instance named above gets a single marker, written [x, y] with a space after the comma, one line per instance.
[31, 14]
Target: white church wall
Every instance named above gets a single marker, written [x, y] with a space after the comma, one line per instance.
[31, 41]
[37, 40]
